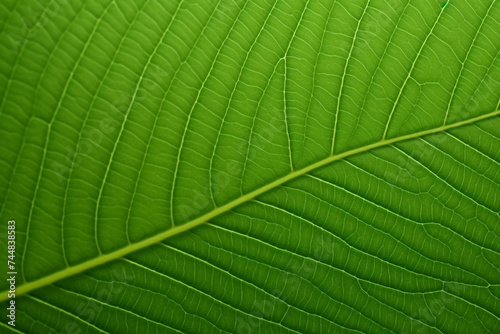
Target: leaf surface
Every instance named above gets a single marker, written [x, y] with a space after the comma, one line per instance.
[252, 166]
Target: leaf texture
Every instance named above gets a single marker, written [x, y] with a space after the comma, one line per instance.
[252, 166]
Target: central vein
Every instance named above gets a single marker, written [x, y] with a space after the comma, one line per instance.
[104, 258]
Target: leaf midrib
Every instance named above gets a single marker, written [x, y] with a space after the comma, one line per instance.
[99, 260]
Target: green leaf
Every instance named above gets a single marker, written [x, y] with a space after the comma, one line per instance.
[251, 166]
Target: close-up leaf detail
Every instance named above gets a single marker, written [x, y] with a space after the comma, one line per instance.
[231, 166]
